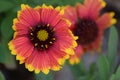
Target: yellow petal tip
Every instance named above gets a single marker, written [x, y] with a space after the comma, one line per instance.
[21, 62]
[61, 61]
[45, 71]
[74, 61]
[70, 51]
[103, 3]
[19, 57]
[56, 68]
[37, 71]
[113, 21]
[30, 68]
[11, 47]
[62, 12]
[58, 8]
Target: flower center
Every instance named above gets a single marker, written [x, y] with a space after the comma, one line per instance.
[87, 31]
[42, 36]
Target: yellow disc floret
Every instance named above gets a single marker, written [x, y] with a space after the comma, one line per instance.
[42, 35]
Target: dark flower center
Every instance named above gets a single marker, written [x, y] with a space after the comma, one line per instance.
[42, 36]
[86, 30]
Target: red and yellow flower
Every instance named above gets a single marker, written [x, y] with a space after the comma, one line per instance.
[42, 39]
[88, 23]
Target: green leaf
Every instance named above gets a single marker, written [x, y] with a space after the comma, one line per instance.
[103, 67]
[78, 70]
[5, 5]
[55, 2]
[113, 77]
[2, 76]
[6, 26]
[88, 77]
[2, 55]
[40, 2]
[92, 69]
[69, 2]
[112, 46]
[18, 2]
[117, 76]
[6, 58]
[42, 76]
[83, 78]
[6, 30]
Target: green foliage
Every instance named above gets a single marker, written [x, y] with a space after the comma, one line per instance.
[7, 33]
[112, 77]
[103, 67]
[117, 76]
[6, 26]
[54, 2]
[7, 59]
[2, 76]
[42, 76]
[112, 47]
[18, 2]
[78, 70]
[5, 5]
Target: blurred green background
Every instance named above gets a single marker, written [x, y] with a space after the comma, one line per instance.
[103, 66]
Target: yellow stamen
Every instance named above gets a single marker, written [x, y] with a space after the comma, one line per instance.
[31, 38]
[48, 25]
[31, 33]
[39, 25]
[41, 45]
[46, 46]
[53, 38]
[31, 28]
[36, 44]
[42, 35]
[50, 42]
